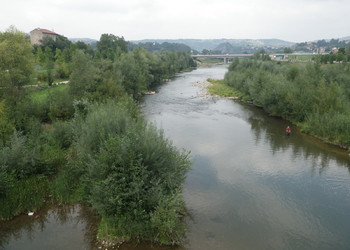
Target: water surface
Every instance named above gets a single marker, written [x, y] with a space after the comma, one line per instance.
[251, 186]
[60, 227]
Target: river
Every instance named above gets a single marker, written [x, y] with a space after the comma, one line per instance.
[250, 186]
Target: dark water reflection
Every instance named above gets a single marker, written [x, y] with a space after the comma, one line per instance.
[252, 187]
[61, 227]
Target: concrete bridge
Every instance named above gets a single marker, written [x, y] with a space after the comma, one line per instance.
[226, 57]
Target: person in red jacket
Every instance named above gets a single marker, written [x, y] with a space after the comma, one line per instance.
[288, 130]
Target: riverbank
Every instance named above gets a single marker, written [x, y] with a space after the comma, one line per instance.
[219, 89]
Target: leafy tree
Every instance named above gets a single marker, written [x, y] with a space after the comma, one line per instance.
[15, 63]
[62, 67]
[40, 56]
[206, 52]
[61, 43]
[84, 75]
[49, 65]
[287, 50]
[85, 47]
[111, 46]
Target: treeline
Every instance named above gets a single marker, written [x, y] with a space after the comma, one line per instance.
[87, 141]
[314, 96]
[55, 57]
[342, 55]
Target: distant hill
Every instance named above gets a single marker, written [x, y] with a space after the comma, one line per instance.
[213, 44]
[85, 40]
[166, 46]
[321, 46]
[347, 38]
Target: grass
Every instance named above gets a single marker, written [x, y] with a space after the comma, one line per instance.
[41, 95]
[219, 88]
[302, 58]
[24, 196]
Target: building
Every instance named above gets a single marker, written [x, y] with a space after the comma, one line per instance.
[278, 56]
[38, 34]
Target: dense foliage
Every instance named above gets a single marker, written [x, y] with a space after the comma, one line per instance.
[316, 97]
[87, 141]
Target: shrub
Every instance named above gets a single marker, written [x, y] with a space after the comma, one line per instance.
[18, 158]
[127, 169]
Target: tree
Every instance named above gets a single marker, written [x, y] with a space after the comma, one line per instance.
[62, 68]
[111, 46]
[49, 65]
[287, 50]
[83, 76]
[15, 63]
[84, 47]
[60, 43]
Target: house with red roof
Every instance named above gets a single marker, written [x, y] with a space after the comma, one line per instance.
[38, 34]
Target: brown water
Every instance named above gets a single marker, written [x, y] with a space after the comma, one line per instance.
[250, 187]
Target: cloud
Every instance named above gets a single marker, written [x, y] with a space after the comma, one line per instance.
[296, 20]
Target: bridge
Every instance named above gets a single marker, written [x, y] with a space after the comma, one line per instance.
[226, 57]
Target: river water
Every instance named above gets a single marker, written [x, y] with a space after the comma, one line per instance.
[250, 186]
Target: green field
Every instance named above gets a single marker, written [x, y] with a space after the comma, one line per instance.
[41, 95]
[302, 58]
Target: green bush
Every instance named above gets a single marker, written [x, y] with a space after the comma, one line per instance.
[127, 169]
[6, 180]
[18, 157]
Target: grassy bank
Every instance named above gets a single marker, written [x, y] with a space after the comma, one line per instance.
[218, 87]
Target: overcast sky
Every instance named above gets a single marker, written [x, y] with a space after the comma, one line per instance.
[291, 20]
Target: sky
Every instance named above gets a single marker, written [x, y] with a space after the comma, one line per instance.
[290, 20]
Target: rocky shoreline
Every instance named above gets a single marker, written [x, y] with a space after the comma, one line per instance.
[203, 86]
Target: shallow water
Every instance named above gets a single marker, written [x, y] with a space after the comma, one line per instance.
[59, 227]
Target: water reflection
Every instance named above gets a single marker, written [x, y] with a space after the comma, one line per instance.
[61, 227]
[271, 130]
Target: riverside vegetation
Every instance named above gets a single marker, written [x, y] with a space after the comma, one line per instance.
[87, 142]
[313, 95]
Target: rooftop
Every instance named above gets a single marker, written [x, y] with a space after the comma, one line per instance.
[45, 31]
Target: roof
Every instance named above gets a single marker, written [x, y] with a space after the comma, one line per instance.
[45, 31]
